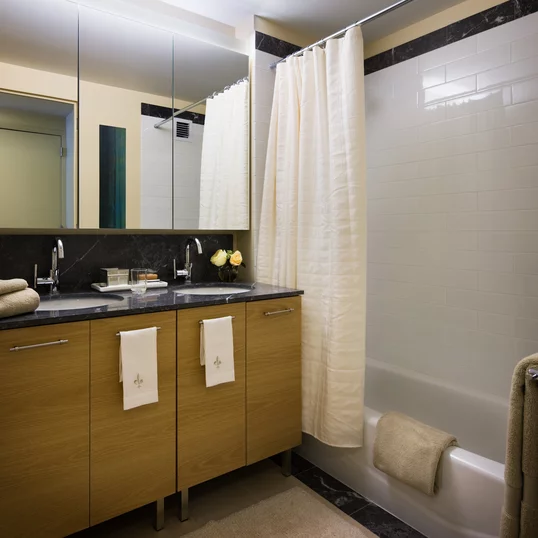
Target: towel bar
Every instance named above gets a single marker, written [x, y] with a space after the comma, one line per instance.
[158, 328]
[201, 321]
[533, 373]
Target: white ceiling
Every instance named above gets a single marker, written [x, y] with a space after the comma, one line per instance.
[316, 18]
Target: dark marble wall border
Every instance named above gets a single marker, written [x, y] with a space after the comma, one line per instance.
[156, 111]
[275, 46]
[475, 24]
[86, 254]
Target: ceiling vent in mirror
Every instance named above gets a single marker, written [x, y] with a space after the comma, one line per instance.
[183, 130]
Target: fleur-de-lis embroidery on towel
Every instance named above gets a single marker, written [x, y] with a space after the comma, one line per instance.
[138, 381]
[217, 362]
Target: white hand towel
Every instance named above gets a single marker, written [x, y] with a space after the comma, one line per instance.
[217, 351]
[138, 367]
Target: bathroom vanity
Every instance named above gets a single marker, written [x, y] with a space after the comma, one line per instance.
[72, 457]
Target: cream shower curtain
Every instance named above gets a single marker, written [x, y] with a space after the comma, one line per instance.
[313, 227]
[224, 172]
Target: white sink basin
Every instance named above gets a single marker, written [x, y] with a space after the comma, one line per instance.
[77, 302]
[213, 290]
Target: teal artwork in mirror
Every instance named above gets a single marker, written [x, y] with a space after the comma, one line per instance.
[112, 176]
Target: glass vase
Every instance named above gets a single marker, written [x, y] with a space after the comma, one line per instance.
[228, 273]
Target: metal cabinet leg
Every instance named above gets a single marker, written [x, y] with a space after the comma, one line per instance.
[184, 504]
[158, 522]
[286, 463]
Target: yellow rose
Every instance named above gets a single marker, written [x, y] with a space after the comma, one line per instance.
[219, 258]
[236, 258]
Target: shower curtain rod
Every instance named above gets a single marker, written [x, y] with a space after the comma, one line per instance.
[342, 32]
[193, 105]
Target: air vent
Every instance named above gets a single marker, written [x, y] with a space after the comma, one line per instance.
[183, 130]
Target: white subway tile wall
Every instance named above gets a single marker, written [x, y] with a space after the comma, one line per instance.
[156, 170]
[155, 174]
[453, 209]
[187, 169]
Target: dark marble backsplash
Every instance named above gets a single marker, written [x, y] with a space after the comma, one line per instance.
[86, 254]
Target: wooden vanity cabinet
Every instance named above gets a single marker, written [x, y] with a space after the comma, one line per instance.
[44, 431]
[133, 453]
[274, 415]
[210, 421]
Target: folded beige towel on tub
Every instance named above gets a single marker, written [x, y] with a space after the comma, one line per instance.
[410, 451]
[520, 510]
[15, 284]
[18, 302]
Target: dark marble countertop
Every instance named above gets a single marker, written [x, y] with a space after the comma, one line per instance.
[156, 300]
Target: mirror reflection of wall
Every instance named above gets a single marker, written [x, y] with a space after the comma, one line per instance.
[39, 47]
[123, 64]
[37, 173]
[39, 57]
[210, 129]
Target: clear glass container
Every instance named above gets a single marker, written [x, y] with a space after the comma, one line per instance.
[139, 281]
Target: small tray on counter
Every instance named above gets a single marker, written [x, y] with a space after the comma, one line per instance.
[103, 288]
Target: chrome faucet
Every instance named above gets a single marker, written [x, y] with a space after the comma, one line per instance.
[187, 272]
[53, 280]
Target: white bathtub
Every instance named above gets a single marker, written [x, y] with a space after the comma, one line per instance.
[469, 502]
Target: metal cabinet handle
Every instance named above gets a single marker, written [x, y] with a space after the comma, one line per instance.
[287, 311]
[45, 344]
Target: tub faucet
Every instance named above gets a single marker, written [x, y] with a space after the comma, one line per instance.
[53, 280]
[187, 272]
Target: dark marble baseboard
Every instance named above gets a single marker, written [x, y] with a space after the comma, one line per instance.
[368, 514]
[475, 24]
[86, 254]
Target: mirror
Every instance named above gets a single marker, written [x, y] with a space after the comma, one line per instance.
[124, 65]
[211, 167]
[163, 123]
[37, 170]
[38, 57]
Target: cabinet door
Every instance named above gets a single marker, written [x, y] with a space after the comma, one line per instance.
[273, 377]
[211, 421]
[44, 431]
[133, 453]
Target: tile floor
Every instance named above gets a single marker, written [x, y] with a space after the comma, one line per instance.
[238, 490]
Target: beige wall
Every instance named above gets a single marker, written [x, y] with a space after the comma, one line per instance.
[16, 78]
[32, 121]
[440, 20]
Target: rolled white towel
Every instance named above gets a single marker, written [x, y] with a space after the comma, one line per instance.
[18, 302]
[14, 284]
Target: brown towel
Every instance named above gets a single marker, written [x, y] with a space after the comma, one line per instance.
[15, 284]
[18, 302]
[410, 451]
[520, 511]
